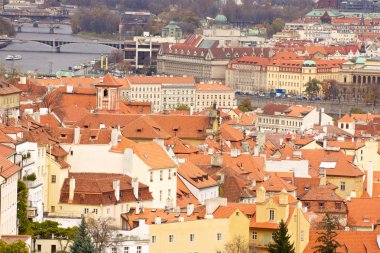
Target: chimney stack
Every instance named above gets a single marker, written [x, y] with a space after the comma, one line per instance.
[325, 144]
[76, 135]
[370, 179]
[71, 189]
[190, 209]
[135, 186]
[114, 137]
[116, 188]
[157, 220]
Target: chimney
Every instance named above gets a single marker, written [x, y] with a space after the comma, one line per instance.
[160, 142]
[157, 220]
[116, 188]
[324, 144]
[283, 199]
[370, 179]
[353, 194]
[128, 161]
[324, 129]
[191, 110]
[135, 186]
[281, 141]
[69, 88]
[137, 209]
[71, 189]
[256, 150]
[320, 116]
[260, 194]
[190, 209]
[37, 117]
[76, 135]
[114, 137]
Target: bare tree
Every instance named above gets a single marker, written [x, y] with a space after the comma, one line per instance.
[101, 232]
[236, 245]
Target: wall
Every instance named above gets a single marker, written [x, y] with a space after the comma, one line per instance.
[8, 217]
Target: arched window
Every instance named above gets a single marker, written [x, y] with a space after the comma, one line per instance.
[105, 93]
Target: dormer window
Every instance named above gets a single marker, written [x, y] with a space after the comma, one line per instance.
[139, 130]
[63, 136]
[93, 137]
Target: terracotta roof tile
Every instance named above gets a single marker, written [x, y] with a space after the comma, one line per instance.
[7, 168]
[195, 176]
[153, 155]
[363, 212]
[97, 189]
[184, 195]
[179, 146]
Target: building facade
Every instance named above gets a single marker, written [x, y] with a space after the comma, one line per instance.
[210, 94]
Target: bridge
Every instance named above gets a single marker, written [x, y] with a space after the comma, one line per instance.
[56, 44]
[51, 27]
[42, 16]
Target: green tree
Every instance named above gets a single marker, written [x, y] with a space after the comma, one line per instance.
[182, 107]
[22, 212]
[46, 229]
[326, 238]
[15, 247]
[281, 241]
[245, 105]
[312, 88]
[82, 241]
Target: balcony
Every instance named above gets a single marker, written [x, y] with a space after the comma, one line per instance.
[32, 184]
[32, 212]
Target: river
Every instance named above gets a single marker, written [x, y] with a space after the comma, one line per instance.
[41, 58]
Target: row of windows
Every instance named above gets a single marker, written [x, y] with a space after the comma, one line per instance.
[169, 175]
[125, 250]
[145, 89]
[191, 238]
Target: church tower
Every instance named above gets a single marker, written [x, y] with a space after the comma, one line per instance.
[107, 94]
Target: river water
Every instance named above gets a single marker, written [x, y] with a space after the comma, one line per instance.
[41, 58]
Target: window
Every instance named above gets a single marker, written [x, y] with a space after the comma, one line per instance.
[302, 235]
[321, 205]
[95, 211]
[342, 186]
[271, 215]
[139, 249]
[254, 235]
[337, 205]
[86, 210]
[126, 250]
[39, 247]
[154, 239]
[151, 176]
[170, 174]
[160, 195]
[171, 238]
[161, 173]
[53, 179]
[114, 250]
[219, 236]
[192, 237]
[169, 193]
[105, 93]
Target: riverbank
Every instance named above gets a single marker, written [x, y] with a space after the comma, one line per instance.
[96, 36]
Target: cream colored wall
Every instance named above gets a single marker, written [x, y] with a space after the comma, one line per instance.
[351, 183]
[206, 99]
[46, 245]
[262, 211]
[8, 217]
[53, 190]
[10, 101]
[298, 228]
[205, 231]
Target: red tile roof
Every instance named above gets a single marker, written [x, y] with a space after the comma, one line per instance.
[363, 212]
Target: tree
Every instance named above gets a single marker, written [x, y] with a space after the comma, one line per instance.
[281, 241]
[101, 232]
[22, 211]
[237, 245]
[15, 247]
[245, 105]
[355, 110]
[312, 88]
[331, 89]
[372, 94]
[326, 238]
[182, 107]
[82, 241]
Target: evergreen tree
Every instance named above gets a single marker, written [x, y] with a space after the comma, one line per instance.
[326, 238]
[281, 241]
[82, 242]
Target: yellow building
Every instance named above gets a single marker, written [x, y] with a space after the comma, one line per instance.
[293, 74]
[208, 230]
[9, 97]
[269, 212]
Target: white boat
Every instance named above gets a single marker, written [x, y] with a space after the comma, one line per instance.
[13, 57]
